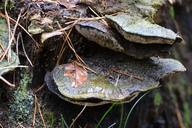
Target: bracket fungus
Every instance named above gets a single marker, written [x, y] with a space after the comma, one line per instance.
[125, 26]
[128, 66]
[115, 79]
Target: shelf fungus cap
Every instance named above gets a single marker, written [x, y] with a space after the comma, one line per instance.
[105, 36]
[119, 80]
[140, 30]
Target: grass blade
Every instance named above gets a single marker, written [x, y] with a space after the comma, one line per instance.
[122, 116]
[103, 117]
[63, 122]
[128, 115]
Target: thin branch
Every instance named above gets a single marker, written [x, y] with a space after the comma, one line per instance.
[126, 74]
[7, 82]
[77, 116]
[39, 89]
[13, 34]
[34, 112]
[25, 52]
[62, 48]
[99, 16]
[19, 66]
[179, 116]
[84, 19]
[83, 66]
[1, 126]
[2, 47]
[39, 109]
[13, 20]
[8, 25]
[17, 45]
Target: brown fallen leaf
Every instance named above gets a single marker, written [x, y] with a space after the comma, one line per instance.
[77, 73]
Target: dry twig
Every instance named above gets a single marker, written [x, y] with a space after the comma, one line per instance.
[99, 16]
[85, 19]
[9, 29]
[1, 126]
[70, 44]
[19, 66]
[83, 66]
[13, 20]
[34, 113]
[179, 116]
[25, 51]
[37, 106]
[78, 116]
[7, 82]
[11, 35]
[126, 74]
[63, 46]
[39, 89]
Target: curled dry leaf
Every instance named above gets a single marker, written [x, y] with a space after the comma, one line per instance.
[77, 74]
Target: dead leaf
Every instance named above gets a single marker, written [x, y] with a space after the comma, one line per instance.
[77, 73]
